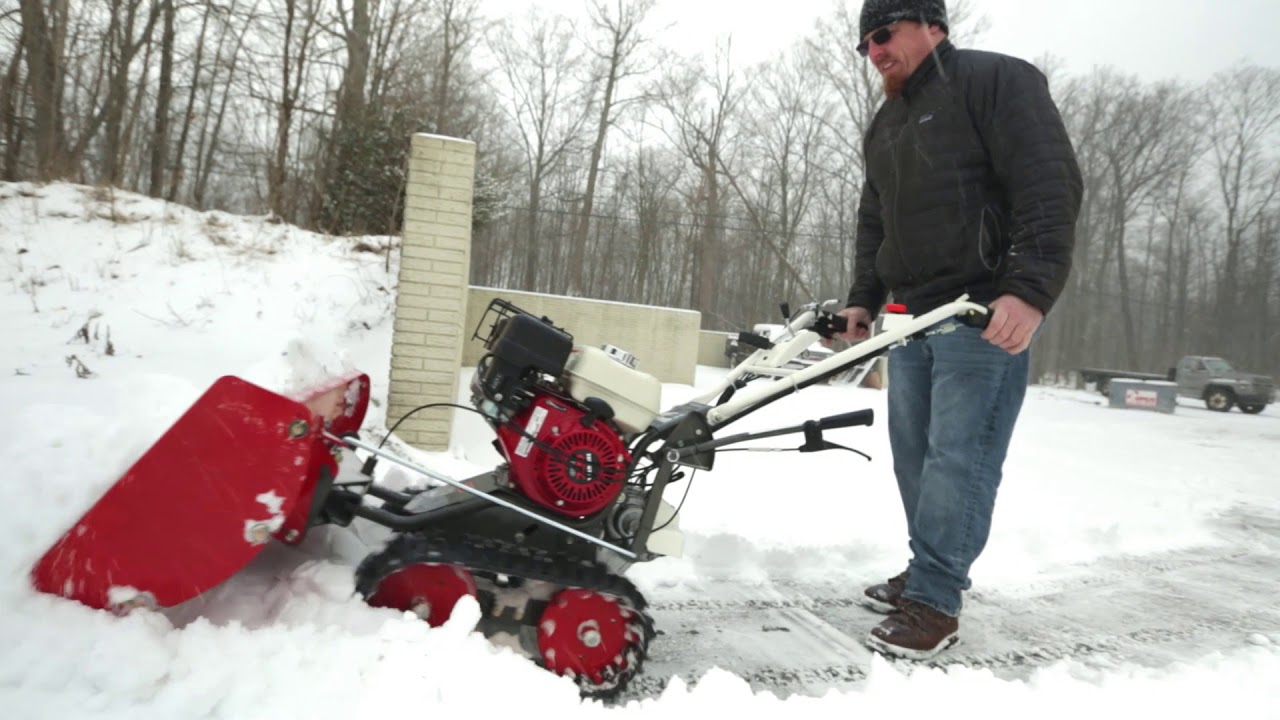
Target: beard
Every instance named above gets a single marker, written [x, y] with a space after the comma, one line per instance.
[893, 86]
[895, 79]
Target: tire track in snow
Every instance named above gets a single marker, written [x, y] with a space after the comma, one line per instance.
[792, 637]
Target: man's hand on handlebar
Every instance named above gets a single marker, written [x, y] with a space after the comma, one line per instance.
[859, 325]
[1012, 323]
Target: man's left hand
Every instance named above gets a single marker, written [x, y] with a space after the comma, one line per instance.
[1013, 323]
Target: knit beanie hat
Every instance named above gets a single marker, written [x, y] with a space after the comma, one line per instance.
[878, 13]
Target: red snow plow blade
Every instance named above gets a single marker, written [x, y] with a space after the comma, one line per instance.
[241, 466]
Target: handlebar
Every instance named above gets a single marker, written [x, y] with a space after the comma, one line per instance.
[828, 324]
[849, 419]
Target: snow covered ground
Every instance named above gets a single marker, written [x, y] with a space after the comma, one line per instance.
[1133, 567]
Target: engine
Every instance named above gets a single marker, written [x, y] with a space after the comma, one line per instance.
[562, 412]
[577, 465]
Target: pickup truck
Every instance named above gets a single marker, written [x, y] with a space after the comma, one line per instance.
[1211, 379]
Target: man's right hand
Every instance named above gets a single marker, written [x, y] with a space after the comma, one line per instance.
[859, 319]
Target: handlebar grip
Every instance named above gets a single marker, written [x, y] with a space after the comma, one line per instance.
[828, 325]
[849, 419]
[975, 319]
[754, 340]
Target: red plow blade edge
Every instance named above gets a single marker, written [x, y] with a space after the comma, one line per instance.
[238, 468]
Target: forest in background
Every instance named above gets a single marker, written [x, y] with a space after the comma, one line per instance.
[611, 166]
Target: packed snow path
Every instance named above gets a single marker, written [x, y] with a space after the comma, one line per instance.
[805, 638]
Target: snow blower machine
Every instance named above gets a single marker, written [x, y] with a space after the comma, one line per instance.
[542, 541]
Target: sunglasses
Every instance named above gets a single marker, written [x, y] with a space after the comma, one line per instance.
[879, 37]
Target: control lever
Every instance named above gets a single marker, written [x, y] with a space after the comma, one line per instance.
[813, 441]
[812, 430]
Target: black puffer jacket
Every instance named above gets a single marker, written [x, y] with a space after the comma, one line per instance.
[972, 187]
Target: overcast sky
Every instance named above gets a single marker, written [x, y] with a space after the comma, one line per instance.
[1155, 39]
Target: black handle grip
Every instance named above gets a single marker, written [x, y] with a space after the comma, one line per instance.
[754, 340]
[829, 325]
[849, 419]
[976, 319]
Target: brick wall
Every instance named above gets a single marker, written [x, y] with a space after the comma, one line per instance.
[435, 265]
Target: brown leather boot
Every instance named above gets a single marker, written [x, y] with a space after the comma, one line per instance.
[883, 598]
[914, 631]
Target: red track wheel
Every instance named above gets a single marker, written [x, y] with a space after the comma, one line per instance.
[586, 634]
[429, 590]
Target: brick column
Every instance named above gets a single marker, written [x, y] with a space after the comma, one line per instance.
[435, 268]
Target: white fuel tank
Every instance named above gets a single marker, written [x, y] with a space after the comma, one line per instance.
[634, 396]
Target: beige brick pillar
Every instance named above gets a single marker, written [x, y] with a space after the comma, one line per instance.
[435, 268]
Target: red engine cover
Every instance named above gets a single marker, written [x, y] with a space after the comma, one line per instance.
[571, 469]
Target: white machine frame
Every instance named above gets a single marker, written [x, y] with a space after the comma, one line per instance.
[799, 336]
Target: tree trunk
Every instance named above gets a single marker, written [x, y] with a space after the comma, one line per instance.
[115, 140]
[188, 116]
[529, 283]
[276, 167]
[577, 258]
[164, 97]
[210, 138]
[45, 82]
[708, 250]
[1126, 304]
[10, 98]
[621, 28]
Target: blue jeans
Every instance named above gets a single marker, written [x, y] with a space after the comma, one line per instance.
[953, 402]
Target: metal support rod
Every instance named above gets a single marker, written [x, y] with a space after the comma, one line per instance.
[351, 442]
[390, 496]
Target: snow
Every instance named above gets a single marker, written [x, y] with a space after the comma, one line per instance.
[152, 302]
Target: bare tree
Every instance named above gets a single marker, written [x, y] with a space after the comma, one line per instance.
[299, 26]
[233, 30]
[648, 186]
[164, 97]
[355, 29]
[1243, 107]
[1177, 205]
[1140, 151]
[43, 32]
[124, 40]
[460, 29]
[776, 184]
[620, 40]
[188, 115]
[11, 98]
[547, 101]
[701, 106]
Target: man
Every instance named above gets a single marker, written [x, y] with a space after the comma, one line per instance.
[972, 186]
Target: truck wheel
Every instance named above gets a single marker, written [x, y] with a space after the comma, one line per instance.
[1219, 399]
[1252, 409]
